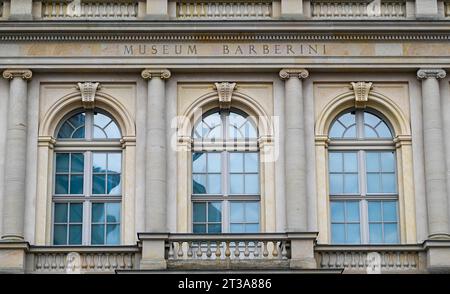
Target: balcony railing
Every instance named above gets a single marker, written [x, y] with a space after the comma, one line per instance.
[397, 258]
[90, 9]
[222, 9]
[357, 9]
[87, 259]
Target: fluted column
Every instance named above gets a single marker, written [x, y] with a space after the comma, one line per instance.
[435, 166]
[296, 206]
[155, 199]
[15, 162]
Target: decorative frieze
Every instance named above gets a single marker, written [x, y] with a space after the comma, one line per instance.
[156, 73]
[225, 92]
[293, 73]
[361, 90]
[88, 91]
[17, 73]
[427, 73]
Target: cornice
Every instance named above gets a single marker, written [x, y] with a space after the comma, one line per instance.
[212, 36]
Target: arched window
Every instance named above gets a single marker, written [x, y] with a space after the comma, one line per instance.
[225, 174]
[362, 180]
[87, 180]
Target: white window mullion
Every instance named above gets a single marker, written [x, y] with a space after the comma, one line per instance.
[225, 192]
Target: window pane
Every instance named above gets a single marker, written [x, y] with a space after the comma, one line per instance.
[352, 211]
[375, 233]
[388, 182]
[112, 131]
[199, 229]
[99, 133]
[337, 233]
[252, 212]
[237, 228]
[76, 213]
[98, 184]
[337, 211]
[236, 184]
[372, 162]
[200, 212]
[199, 184]
[336, 130]
[62, 162]
[99, 162]
[390, 233]
[374, 211]
[251, 184]
[113, 213]
[251, 162]
[335, 162]
[236, 212]
[214, 162]
[369, 132]
[336, 184]
[350, 132]
[77, 163]
[350, 184]
[215, 229]
[62, 184]
[350, 162]
[252, 228]
[214, 212]
[236, 162]
[75, 234]
[390, 211]
[353, 236]
[77, 120]
[113, 234]
[79, 133]
[114, 163]
[98, 213]
[384, 131]
[76, 184]
[373, 183]
[198, 162]
[65, 131]
[60, 212]
[347, 119]
[371, 119]
[60, 235]
[114, 187]
[387, 162]
[214, 184]
[101, 120]
[98, 234]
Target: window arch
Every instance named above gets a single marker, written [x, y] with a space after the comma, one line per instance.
[87, 188]
[362, 179]
[225, 173]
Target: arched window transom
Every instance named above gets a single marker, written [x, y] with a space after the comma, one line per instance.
[89, 125]
[361, 125]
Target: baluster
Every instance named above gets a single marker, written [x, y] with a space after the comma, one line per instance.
[180, 10]
[195, 13]
[361, 259]
[218, 252]
[256, 250]
[330, 259]
[265, 251]
[121, 261]
[414, 260]
[217, 10]
[129, 261]
[345, 259]
[275, 249]
[171, 251]
[53, 261]
[322, 259]
[199, 249]
[208, 250]
[62, 263]
[227, 249]
[399, 263]
[180, 249]
[237, 252]
[283, 250]
[38, 262]
[246, 250]
[247, 11]
[190, 253]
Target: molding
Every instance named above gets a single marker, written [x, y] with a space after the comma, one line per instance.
[361, 90]
[25, 74]
[156, 73]
[426, 73]
[288, 73]
[225, 92]
[88, 90]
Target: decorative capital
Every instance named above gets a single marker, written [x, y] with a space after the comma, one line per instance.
[288, 73]
[426, 73]
[361, 90]
[156, 73]
[88, 90]
[225, 91]
[10, 74]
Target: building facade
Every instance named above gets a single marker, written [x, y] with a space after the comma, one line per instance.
[275, 135]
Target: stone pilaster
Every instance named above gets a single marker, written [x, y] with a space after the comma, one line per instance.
[15, 164]
[435, 166]
[155, 201]
[296, 205]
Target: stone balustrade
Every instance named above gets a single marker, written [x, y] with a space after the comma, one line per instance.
[398, 258]
[228, 246]
[89, 9]
[86, 259]
[261, 9]
[354, 9]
